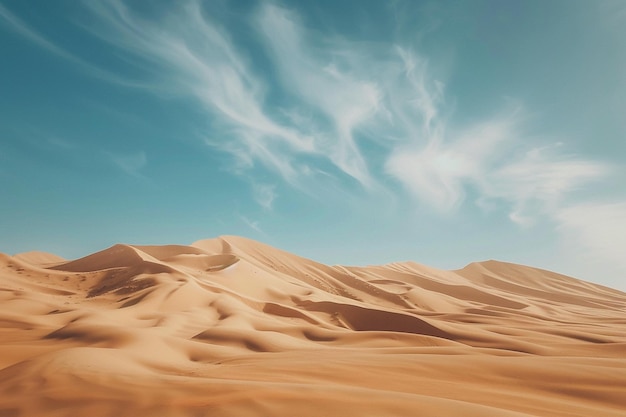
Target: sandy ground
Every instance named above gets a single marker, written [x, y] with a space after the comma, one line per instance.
[232, 327]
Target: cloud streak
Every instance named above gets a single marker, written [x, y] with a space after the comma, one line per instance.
[18, 26]
[195, 58]
[253, 224]
[541, 178]
[340, 98]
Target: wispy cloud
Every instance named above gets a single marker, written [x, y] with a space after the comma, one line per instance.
[18, 26]
[264, 194]
[537, 182]
[253, 224]
[437, 167]
[438, 161]
[60, 143]
[594, 235]
[195, 58]
[131, 163]
[314, 76]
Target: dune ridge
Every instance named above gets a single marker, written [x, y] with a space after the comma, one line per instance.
[233, 327]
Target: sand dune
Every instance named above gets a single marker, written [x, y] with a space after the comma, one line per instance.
[233, 327]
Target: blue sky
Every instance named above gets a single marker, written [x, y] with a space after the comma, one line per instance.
[353, 132]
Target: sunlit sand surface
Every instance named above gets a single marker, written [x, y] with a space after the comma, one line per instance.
[232, 327]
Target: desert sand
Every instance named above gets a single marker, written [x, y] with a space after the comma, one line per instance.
[232, 327]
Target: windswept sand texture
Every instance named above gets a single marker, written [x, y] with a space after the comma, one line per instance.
[232, 327]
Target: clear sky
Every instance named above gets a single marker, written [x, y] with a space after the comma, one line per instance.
[353, 132]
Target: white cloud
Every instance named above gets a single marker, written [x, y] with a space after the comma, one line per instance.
[595, 236]
[264, 194]
[429, 174]
[433, 159]
[438, 162]
[313, 75]
[537, 182]
[438, 171]
[196, 59]
[426, 95]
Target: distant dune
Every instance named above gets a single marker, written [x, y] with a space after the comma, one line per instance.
[233, 327]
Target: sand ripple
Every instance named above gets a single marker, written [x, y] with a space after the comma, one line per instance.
[232, 327]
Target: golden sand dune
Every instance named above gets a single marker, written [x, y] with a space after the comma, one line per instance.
[232, 327]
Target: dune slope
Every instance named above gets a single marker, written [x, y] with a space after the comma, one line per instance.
[233, 327]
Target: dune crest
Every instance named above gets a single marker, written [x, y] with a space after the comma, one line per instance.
[233, 327]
